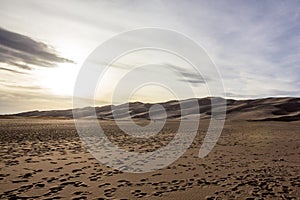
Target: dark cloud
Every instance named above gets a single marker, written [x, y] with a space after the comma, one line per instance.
[11, 70]
[187, 76]
[193, 81]
[22, 66]
[21, 51]
[183, 74]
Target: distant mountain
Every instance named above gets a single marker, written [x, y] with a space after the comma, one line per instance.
[266, 109]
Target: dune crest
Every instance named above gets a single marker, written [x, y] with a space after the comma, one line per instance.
[266, 109]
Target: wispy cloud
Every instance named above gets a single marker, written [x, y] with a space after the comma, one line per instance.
[255, 45]
[21, 51]
[30, 98]
[11, 70]
[185, 75]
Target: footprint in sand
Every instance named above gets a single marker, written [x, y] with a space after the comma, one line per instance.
[138, 193]
[110, 192]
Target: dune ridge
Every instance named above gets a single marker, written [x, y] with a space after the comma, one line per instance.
[266, 109]
[257, 156]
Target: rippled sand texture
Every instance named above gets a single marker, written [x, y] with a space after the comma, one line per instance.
[45, 159]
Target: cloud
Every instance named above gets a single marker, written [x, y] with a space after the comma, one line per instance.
[186, 75]
[256, 46]
[11, 70]
[23, 87]
[183, 73]
[21, 51]
[30, 99]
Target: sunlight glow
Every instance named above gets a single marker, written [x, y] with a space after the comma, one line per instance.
[59, 80]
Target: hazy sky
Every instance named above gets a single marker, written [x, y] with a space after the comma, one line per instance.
[254, 44]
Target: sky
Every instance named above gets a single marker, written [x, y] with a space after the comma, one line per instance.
[255, 46]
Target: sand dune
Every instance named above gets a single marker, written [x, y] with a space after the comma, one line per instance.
[256, 157]
[267, 109]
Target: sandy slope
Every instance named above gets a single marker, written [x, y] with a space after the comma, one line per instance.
[44, 159]
[267, 109]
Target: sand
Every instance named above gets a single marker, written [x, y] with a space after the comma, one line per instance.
[45, 159]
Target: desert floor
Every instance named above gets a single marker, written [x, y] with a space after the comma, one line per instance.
[45, 159]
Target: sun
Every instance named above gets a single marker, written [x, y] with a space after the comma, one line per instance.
[59, 80]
